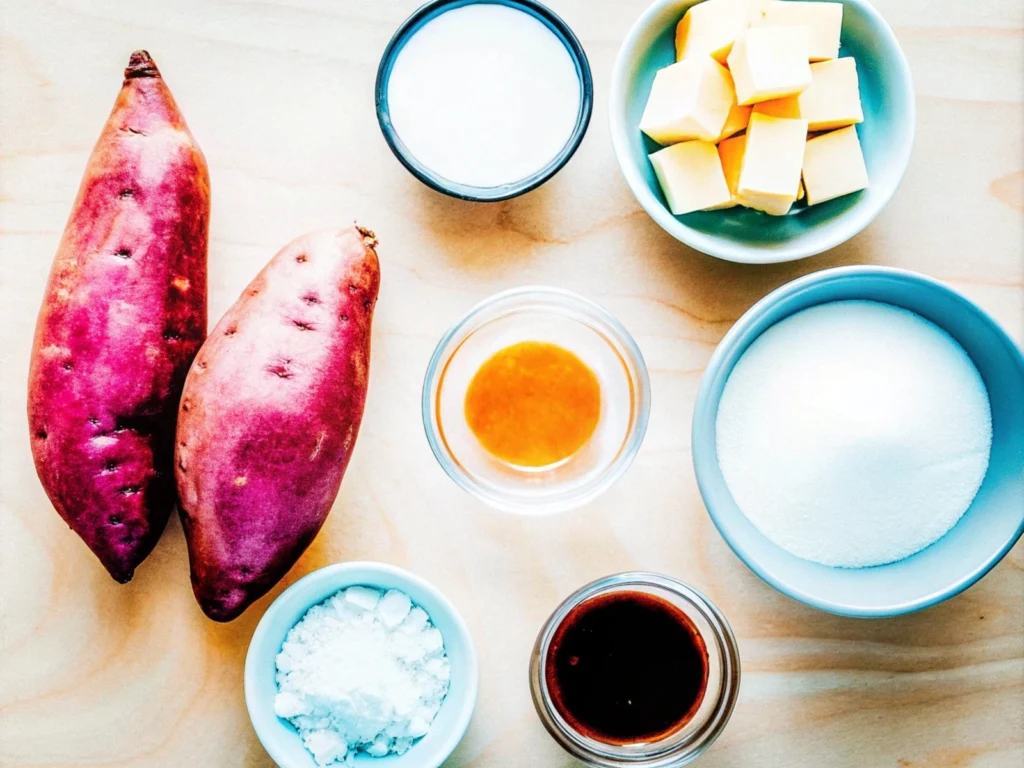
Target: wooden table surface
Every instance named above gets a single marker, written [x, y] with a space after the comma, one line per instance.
[280, 96]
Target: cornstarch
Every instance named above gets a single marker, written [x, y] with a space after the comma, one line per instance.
[361, 672]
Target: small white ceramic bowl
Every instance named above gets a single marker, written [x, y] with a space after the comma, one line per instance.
[740, 234]
[282, 741]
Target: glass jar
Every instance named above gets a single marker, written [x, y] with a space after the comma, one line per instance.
[682, 745]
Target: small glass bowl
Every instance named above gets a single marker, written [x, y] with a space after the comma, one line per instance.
[545, 315]
[681, 746]
[434, 180]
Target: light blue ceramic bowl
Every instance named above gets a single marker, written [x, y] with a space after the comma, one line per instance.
[740, 234]
[987, 530]
[282, 741]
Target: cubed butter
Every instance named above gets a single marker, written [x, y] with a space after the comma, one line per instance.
[689, 100]
[832, 100]
[823, 21]
[711, 27]
[730, 152]
[769, 63]
[834, 166]
[735, 121]
[691, 177]
[774, 154]
[787, 106]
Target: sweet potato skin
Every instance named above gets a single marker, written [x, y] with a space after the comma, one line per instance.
[123, 316]
[270, 414]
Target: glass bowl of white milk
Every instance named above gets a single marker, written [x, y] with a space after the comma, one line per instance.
[484, 101]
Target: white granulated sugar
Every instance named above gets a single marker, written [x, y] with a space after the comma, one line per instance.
[854, 433]
[363, 672]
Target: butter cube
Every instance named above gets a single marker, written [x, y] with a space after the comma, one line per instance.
[834, 166]
[735, 121]
[689, 100]
[769, 63]
[730, 152]
[822, 20]
[833, 98]
[774, 155]
[691, 177]
[787, 106]
[710, 28]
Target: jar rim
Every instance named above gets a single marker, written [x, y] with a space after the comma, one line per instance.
[659, 754]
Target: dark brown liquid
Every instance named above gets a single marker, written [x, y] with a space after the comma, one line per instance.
[627, 667]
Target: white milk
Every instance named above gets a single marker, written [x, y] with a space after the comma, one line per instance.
[484, 95]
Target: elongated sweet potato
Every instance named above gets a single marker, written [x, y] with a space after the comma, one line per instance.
[270, 414]
[123, 316]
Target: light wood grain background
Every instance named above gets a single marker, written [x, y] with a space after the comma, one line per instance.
[280, 96]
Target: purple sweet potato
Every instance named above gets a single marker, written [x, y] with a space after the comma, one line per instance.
[123, 316]
[270, 413]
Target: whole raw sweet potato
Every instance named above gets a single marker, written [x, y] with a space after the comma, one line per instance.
[122, 318]
[270, 414]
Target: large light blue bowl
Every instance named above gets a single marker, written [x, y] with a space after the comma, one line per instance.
[987, 530]
[741, 234]
[282, 741]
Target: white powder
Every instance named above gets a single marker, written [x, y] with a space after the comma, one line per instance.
[361, 672]
[854, 433]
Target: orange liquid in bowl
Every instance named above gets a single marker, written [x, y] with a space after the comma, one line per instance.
[533, 404]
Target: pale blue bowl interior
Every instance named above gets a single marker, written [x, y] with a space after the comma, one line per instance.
[987, 530]
[742, 234]
[282, 741]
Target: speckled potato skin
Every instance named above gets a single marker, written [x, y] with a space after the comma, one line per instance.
[270, 414]
[123, 316]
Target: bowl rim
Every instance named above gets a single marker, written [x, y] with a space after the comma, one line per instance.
[466, 191]
[329, 580]
[703, 451]
[611, 474]
[857, 217]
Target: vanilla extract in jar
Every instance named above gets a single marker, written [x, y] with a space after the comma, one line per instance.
[627, 667]
[636, 669]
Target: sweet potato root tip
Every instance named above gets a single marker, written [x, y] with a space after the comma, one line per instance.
[141, 65]
[369, 238]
